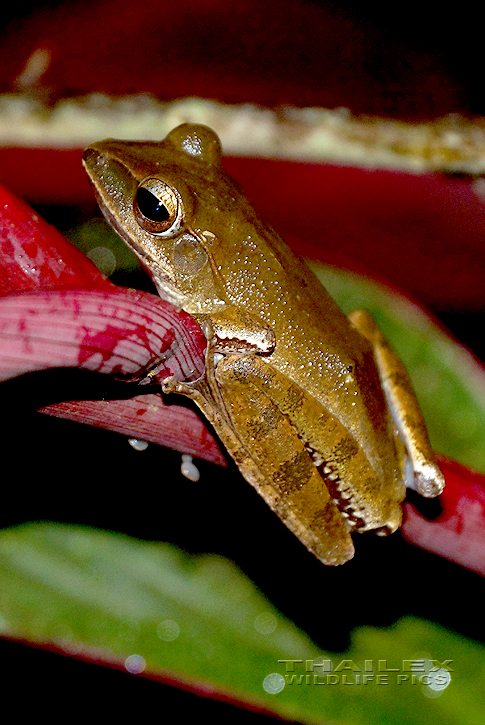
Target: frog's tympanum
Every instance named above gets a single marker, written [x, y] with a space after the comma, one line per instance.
[314, 407]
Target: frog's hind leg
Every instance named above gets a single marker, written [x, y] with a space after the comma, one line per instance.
[365, 500]
[272, 458]
[424, 476]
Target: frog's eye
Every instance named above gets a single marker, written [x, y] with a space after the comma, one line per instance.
[158, 207]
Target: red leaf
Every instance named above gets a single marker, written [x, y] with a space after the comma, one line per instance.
[34, 255]
[78, 318]
[272, 53]
[146, 417]
[458, 534]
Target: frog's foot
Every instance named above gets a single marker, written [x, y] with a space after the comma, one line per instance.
[172, 385]
[422, 472]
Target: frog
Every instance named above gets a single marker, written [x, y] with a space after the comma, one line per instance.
[313, 405]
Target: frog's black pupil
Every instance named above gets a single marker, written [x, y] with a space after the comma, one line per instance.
[151, 207]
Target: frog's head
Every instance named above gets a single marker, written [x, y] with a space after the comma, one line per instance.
[175, 207]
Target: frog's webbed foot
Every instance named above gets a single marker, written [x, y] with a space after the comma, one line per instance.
[425, 475]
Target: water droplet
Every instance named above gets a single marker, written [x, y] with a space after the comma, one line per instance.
[273, 683]
[189, 469]
[265, 623]
[168, 630]
[135, 664]
[138, 444]
[104, 259]
[438, 680]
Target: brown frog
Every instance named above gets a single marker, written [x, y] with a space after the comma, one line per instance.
[314, 407]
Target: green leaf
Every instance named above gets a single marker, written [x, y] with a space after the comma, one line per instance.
[449, 383]
[150, 605]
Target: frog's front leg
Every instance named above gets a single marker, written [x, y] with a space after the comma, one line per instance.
[422, 471]
[271, 456]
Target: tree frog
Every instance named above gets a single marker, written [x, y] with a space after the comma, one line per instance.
[314, 407]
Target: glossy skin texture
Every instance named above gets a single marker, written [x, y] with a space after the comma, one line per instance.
[300, 395]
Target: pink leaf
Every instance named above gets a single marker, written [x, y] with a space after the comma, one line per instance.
[116, 331]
